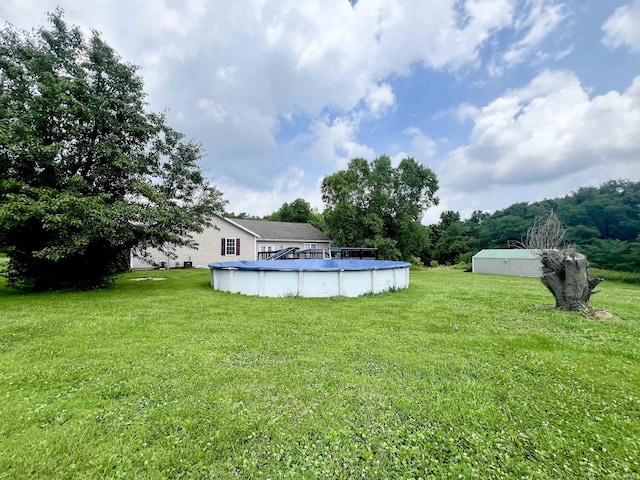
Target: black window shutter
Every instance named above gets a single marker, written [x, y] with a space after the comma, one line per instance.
[237, 246]
[223, 247]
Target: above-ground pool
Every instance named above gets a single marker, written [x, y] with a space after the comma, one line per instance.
[309, 278]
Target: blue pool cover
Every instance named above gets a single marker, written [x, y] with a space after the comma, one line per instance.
[311, 265]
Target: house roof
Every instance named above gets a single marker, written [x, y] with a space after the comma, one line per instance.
[268, 230]
[515, 253]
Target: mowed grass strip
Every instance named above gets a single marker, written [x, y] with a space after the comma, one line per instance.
[461, 375]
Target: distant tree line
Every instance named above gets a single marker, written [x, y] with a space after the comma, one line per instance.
[603, 222]
[374, 204]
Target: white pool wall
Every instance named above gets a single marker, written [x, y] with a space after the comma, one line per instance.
[305, 283]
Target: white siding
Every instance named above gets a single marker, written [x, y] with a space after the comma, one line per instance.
[209, 248]
[280, 244]
[520, 267]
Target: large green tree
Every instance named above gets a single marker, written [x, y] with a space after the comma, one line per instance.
[452, 238]
[298, 211]
[87, 175]
[374, 204]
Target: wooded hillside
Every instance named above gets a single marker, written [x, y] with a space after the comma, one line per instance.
[603, 222]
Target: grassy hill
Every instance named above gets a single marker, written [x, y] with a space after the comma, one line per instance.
[460, 375]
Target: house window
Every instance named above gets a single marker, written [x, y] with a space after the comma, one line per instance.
[266, 248]
[230, 246]
[310, 245]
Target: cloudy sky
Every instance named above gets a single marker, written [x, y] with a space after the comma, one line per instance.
[506, 100]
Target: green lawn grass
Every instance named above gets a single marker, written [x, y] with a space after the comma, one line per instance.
[460, 376]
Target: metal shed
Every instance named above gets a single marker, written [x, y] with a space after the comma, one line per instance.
[516, 262]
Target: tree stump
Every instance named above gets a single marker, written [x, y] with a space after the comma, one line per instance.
[566, 275]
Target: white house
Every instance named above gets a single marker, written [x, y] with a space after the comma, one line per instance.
[517, 262]
[238, 239]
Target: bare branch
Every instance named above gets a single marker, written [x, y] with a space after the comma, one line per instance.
[547, 233]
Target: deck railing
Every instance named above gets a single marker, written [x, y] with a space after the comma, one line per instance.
[325, 253]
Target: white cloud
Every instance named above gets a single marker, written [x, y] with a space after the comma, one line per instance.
[226, 74]
[423, 147]
[287, 186]
[622, 28]
[432, 215]
[287, 56]
[543, 18]
[380, 98]
[451, 199]
[549, 129]
[212, 109]
[337, 55]
[466, 111]
[234, 71]
[333, 142]
[533, 25]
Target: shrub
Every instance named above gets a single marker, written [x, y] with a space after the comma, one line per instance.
[464, 258]
[462, 266]
[416, 262]
[615, 276]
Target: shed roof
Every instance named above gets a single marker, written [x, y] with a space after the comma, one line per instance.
[268, 230]
[515, 253]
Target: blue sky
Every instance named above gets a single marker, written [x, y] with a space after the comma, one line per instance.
[506, 100]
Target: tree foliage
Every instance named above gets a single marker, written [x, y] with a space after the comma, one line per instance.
[452, 239]
[298, 211]
[242, 215]
[373, 204]
[603, 222]
[86, 174]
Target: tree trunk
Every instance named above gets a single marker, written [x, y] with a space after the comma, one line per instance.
[566, 275]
